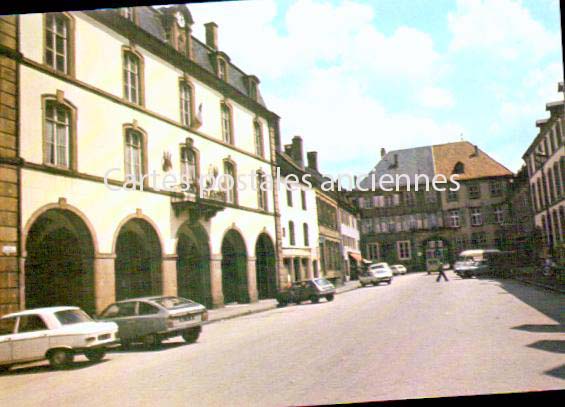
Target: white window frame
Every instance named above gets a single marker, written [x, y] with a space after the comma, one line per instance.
[404, 249]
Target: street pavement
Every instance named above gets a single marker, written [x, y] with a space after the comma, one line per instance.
[415, 338]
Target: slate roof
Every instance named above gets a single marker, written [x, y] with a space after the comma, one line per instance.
[436, 159]
[411, 161]
[149, 20]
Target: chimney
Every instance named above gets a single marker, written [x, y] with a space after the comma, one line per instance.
[297, 154]
[476, 151]
[212, 35]
[396, 160]
[312, 160]
[288, 149]
[383, 152]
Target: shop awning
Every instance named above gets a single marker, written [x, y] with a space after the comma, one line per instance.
[355, 256]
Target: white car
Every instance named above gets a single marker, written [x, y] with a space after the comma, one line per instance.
[53, 333]
[398, 269]
[375, 274]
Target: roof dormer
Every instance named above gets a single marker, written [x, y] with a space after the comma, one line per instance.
[177, 23]
[252, 84]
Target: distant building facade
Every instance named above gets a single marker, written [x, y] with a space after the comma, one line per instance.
[545, 161]
[410, 227]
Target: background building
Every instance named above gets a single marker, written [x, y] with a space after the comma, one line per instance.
[298, 216]
[409, 226]
[545, 160]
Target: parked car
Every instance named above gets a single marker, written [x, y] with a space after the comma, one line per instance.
[376, 274]
[312, 290]
[472, 263]
[398, 269]
[151, 319]
[54, 333]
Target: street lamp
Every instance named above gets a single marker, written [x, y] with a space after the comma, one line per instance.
[540, 159]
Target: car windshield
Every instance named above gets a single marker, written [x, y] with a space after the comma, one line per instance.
[173, 302]
[322, 282]
[72, 316]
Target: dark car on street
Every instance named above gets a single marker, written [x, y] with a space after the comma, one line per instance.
[151, 319]
[308, 290]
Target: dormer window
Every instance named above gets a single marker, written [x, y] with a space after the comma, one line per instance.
[253, 90]
[222, 69]
[459, 168]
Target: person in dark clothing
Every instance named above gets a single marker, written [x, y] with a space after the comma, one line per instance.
[441, 274]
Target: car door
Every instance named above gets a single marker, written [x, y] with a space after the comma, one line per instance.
[31, 340]
[7, 328]
[123, 314]
[149, 319]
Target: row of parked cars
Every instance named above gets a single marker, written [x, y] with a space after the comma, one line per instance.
[59, 333]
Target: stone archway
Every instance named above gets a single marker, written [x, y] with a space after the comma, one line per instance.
[234, 268]
[138, 260]
[59, 267]
[265, 267]
[193, 264]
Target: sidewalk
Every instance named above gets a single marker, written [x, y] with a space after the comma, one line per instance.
[239, 310]
[542, 282]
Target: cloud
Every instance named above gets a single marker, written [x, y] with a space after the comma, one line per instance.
[434, 97]
[504, 28]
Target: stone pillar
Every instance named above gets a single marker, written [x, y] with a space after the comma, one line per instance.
[300, 271]
[11, 274]
[291, 268]
[169, 275]
[104, 281]
[252, 279]
[216, 281]
[309, 269]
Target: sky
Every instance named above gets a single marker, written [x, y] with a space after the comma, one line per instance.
[352, 76]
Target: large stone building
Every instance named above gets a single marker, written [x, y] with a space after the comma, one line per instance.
[545, 160]
[408, 226]
[93, 99]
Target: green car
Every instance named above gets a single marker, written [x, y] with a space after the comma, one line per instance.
[308, 290]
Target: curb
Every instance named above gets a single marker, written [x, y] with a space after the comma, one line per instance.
[544, 286]
[269, 308]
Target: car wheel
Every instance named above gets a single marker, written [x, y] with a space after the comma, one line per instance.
[5, 368]
[151, 341]
[191, 335]
[314, 299]
[363, 284]
[60, 358]
[95, 355]
[283, 303]
[330, 297]
[389, 282]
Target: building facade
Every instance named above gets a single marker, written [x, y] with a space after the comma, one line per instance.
[410, 225]
[545, 161]
[109, 120]
[350, 237]
[297, 203]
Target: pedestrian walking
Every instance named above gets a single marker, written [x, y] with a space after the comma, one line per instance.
[441, 274]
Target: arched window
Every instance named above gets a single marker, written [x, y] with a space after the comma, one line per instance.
[188, 169]
[133, 156]
[259, 145]
[230, 182]
[59, 42]
[292, 240]
[261, 190]
[186, 103]
[306, 238]
[459, 168]
[58, 133]
[227, 125]
[133, 77]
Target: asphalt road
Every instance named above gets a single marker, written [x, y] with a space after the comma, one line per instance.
[415, 338]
